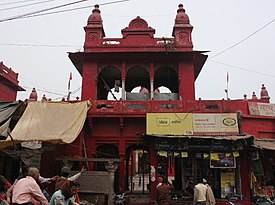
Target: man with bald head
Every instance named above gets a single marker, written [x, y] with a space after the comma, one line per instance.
[27, 190]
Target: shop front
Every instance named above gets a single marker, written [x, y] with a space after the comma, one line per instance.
[222, 162]
[220, 156]
[262, 169]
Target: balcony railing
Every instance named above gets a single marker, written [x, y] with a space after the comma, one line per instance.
[141, 107]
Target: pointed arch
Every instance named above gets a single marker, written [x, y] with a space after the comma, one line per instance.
[106, 81]
[137, 76]
[167, 77]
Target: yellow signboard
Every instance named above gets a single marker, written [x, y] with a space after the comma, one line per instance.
[191, 124]
[169, 123]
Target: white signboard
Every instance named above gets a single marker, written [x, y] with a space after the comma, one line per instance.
[261, 109]
[215, 123]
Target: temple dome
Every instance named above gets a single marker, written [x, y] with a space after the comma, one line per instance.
[182, 17]
[95, 17]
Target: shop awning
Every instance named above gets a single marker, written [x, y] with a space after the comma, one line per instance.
[216, 137]
[265, 144]
[6, 111]
[202, 142]
[55, 122]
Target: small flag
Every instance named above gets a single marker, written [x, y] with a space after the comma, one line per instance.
[69, 83]
[71, 76]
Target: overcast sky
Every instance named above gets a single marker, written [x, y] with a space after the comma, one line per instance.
[238, 33]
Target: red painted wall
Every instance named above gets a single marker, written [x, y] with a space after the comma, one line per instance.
[8, 83]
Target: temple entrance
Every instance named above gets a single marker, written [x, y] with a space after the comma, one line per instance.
[137, 169]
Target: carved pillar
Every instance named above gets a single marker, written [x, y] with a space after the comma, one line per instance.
[122, 167]
[123, 76]
[123, 93]
[152, 89]
[111, 166]
[152, 80]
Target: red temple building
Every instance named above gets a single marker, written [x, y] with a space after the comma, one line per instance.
[171, 134]
[10, 111]
[9, 84]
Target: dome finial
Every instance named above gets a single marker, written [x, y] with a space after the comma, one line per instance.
[33, 95]
[264, 93]
[254, 97]
[181, 9]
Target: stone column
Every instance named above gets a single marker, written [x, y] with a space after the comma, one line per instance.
[123, 78]
[123, 94]
[111, 166]
[152, 89]
[152, 74]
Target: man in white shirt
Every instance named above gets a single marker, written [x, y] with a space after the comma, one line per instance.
[200, 193]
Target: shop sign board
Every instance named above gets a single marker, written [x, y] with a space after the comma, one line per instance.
[191, 124]
[227, 183]
[215, 123]
[169, 123]
[261, 109]
[222, 160]
[183, 144]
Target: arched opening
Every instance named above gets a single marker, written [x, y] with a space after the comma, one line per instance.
[167, 79]
[108, 81]
[137, 76]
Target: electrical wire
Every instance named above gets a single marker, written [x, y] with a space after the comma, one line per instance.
[249, 36]
[16, 2]
[37, 45]
[39, 13]
[37, 89]
[42, 10]
[243, 69]
[73, 9]
[26, 5]
[55, 12]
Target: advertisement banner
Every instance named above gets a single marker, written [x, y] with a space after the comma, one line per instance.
[261, 109]
[215, 123]
[227, 184]
[169, 124]
[191, 124]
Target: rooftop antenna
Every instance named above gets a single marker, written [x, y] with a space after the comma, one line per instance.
[69, 87]
[227, 82]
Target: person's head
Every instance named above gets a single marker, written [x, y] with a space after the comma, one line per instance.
[33, 172]
[204, 181]
[65, 172]
[200, 180]
[160, 179]
[68, 188]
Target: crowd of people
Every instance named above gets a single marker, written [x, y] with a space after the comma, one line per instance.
[29, 189]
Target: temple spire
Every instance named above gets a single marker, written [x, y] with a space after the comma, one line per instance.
[182, 29]
[94, 29]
